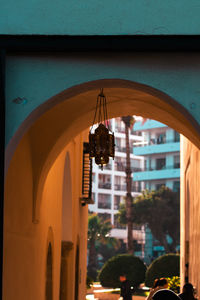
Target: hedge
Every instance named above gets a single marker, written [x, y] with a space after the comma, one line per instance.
[167, 265]
[128, 264]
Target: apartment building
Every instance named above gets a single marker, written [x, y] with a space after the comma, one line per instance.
[109, 184]
[161, 151]
[155, 162]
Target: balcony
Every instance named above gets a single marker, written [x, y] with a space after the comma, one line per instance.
[154, 173]
[154, 146]
[103, 185]
[120, 149]
[122, 187]
[122, 168]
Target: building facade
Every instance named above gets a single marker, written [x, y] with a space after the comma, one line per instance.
[155, 162]
[161, 151]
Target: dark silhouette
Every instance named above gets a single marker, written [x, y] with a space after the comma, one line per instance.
[165, 294]
[126, 292]
[188, 292]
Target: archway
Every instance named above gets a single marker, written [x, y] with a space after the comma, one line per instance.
[44, 136]
[74, 108]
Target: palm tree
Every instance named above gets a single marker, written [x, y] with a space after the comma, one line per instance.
[129, 122]
[98, 230]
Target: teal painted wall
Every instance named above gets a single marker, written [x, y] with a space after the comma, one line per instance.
[149, 124]
[37, 78]
[78, 17]
[152, 149]
[157, 175]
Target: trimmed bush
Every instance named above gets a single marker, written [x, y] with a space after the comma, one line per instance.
[164, 266]
[128, 264]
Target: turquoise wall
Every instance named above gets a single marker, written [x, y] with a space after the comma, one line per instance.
[157, 175]
[105, 17]
[149, 124]
[37, 78]
[160, 148]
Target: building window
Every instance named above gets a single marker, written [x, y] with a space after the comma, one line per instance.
[117, 200]
[120, 183]
[104, 201]
[160, 163]
[93, 197]
[117, 224]
[176, 136]
[176, 162]
[161, 138]
[120, 164]
[93, 177]
[135, 165]
[104, 181]
[176, 186]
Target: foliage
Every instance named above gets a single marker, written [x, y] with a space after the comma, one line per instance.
[174, 284]
[89, 282]
[128, 264]
[160, 211]
[165, 266]
[98, 230]
[111, 248]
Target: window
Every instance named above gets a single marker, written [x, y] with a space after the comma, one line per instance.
[135, 165]
[93, 197]
[104, 181]
[117, 224]
[176, 186]
[120, 164]
[93, 177]
[117, 200]
[176, 136]
[161, 138]
[176, 162]
[104, 201]
[160, 163]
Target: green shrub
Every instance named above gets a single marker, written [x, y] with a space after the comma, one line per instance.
[130, 265]
[165, 266]
[174, 284]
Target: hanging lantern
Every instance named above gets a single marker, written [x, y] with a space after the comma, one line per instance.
[101, 142]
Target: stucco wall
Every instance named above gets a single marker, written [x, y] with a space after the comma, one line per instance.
[26, 243]
[38, 78]
[100, 17]
[190, 212]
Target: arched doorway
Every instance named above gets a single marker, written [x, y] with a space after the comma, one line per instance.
[49, 274]
[67, 115]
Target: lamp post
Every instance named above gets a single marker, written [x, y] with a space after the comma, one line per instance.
[101, 142]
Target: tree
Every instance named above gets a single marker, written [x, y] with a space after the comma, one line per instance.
[98, 230]
[129, 122]
[160, 211]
